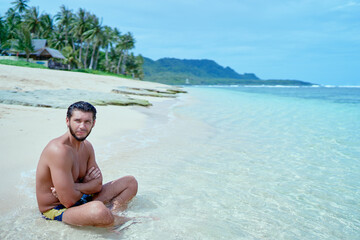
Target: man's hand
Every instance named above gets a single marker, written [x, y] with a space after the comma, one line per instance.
[92, 173]
[91, 183]
[53, 191]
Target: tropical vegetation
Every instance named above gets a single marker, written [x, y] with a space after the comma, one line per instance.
[203, 72]
[81, 37]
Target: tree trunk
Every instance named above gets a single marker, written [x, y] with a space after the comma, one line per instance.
[80, 52]
[123, 65]
[97, 58]
[86, 54]
[118, 65]
[92, 57]
[106, 59]
[66, 38]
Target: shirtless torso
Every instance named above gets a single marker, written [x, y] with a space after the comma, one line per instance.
[67, 170]
[67, 157]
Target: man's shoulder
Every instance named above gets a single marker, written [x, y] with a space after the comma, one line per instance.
[88, 146]
[87, 143]
[57, 146]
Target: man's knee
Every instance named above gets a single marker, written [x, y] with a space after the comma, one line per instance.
[100, 213]
[132, 184]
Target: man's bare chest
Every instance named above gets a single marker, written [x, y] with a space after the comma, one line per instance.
[79, 167]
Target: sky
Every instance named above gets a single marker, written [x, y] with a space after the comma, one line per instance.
[315, 41]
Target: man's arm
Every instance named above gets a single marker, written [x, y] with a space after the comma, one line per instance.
[87, 185]
[92, 182]
[60, 164]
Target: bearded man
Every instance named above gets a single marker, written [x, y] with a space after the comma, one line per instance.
[69, 182]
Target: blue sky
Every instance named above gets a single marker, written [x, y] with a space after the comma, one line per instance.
[311, 40]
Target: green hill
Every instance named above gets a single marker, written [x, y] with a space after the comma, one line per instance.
[202, 72]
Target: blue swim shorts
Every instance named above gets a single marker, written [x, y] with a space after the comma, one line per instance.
[57, 212]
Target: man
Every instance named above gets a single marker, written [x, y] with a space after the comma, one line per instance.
[69, 182]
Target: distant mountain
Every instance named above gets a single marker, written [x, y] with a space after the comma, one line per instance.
[194, 68]
[202, 72]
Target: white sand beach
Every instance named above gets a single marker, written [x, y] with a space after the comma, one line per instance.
[25, 130]
[25, 79]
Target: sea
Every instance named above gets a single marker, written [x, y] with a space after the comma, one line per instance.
[230, 162]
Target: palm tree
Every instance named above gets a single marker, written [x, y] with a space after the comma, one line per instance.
[79, 26]
[107, 39]
[64, 20]
[131, 65]
[87, 44]
[13, 21]
[25, 41]
[94, 34]
[20, 5]
[113, 57]
[100, 40]
[46, 26]
[3, 32]
[139, 71]
[126, 43]
[32, 20]
[70, 56]
[58, 40]
[107, 42]
[134, 66]
[88, 40]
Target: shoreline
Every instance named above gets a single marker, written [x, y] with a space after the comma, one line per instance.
[26, 130]
[28, 79]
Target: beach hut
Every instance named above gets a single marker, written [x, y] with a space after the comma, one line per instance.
[42, 54]
[42, 51]
[46, 54]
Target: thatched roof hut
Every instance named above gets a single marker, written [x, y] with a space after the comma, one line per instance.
[41, 51]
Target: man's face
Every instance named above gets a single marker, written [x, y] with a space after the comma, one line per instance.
[80, 124]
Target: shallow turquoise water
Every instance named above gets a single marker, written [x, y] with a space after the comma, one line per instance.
[251, 163]
[234, 163]
[265, 163]
[286, 160]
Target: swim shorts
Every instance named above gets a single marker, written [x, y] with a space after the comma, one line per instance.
[57, 212]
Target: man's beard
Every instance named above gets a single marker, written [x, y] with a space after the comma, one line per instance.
[78, 139]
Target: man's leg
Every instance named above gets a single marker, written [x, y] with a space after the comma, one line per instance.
[93, 213]
[118, 192]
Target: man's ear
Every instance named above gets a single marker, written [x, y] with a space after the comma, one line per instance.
[94, 123]
[67, 121]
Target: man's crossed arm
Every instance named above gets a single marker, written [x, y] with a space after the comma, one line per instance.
[91, 183]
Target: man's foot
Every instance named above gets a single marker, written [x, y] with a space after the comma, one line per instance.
[116, 206]
[122, 223]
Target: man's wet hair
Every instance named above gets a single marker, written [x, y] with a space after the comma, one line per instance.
[82, 106]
